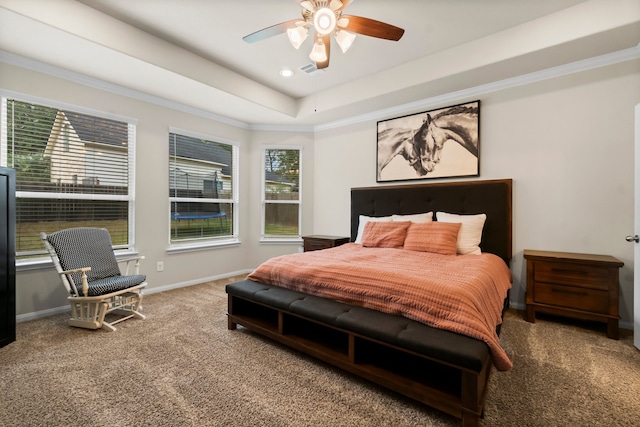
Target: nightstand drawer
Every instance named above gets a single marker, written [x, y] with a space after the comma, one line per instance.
[316, 243]
[572, 274]
[592, 300]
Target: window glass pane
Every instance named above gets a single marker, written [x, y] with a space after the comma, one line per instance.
[48, 146]
[201, 188]
[281, 219]
[281, 192]
[36, 215]
[282, 169]
[72, 170]
[201, 220]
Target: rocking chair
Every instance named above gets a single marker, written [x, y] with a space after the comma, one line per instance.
[86, 263]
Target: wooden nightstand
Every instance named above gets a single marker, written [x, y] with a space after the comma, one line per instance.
[314, 243]
[582, 286]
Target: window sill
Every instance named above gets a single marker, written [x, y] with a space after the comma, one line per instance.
[45, 262]
[33, 264]
[282, 240]
[201, 246]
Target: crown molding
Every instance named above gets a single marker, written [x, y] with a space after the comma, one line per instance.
[398, 110]
[54, 71]
[477, 91]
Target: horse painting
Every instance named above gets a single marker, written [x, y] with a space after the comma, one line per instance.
[422, 147]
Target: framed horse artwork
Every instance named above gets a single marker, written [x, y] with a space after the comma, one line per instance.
[440, 143]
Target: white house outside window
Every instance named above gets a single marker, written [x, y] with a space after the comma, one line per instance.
[281, 213]
[202, 189]
[72, 170]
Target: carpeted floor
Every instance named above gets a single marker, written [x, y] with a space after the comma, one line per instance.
[182, 367]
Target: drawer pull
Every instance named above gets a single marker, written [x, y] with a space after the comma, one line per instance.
[568, 271]
[568, 291]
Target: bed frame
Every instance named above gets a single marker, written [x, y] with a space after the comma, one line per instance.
[441, 369]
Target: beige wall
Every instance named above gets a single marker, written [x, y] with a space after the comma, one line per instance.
[568, 145]
[39, 291]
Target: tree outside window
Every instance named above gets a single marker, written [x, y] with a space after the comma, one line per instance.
[72, 170]
[281, 196]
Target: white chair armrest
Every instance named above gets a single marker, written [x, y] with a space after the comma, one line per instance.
[76, 270]
[128, 262]
[85, 284]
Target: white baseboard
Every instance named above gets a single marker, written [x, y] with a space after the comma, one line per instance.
[195, 282]
[42, 313]
[51, 311]
[57, 310]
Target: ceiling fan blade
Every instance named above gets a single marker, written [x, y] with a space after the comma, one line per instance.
[372, 28]
[327, 45]
[271, 31]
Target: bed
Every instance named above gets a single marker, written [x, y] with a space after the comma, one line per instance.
[433, 364]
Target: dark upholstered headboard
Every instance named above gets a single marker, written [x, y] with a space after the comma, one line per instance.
[491, 197]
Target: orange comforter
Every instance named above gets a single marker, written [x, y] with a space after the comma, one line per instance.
[462, 294]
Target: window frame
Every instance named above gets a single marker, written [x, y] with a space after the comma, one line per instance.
[130, 197]
[288, 238]
[213, 242]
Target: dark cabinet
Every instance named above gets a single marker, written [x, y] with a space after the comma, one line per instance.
[7, 256]
[584, 286]
[316, 243]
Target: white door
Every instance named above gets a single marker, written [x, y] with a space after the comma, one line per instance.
[636, 252]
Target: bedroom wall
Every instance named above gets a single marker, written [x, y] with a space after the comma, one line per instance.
[568, 145]
[39, 290]
[566, 142]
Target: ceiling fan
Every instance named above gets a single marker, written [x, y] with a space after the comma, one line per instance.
[325, 18]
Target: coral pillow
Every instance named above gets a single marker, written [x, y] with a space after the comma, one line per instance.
[385, 234]
[436, 237]
[363, 221]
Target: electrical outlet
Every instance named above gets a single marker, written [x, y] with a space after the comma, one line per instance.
[160, 266]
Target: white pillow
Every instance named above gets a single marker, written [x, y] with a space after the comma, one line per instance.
[362, 220]
[417, 218]
[470, 232]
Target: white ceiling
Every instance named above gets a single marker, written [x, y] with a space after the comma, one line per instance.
[191, 52]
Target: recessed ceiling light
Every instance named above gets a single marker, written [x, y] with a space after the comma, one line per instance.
[286, 72]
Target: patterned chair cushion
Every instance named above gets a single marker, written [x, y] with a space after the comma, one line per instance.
[90, 247]
[113, 284]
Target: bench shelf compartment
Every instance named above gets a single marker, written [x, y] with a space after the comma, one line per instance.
[455, 390]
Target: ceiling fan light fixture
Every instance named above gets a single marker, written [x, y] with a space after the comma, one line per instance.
[297, 36]
[324, 21]
[335, 4]
[319, 52]
[345, 39]
[306, 4]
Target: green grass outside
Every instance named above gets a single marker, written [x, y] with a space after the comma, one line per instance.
[281, 230]
[29, 232]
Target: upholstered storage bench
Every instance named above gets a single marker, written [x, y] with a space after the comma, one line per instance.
[441, 369]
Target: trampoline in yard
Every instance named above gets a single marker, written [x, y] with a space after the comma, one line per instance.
[193, 216]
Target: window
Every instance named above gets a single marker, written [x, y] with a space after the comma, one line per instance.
[72, 170]
[202, 189]
[281, 212]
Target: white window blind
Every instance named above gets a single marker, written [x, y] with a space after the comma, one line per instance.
[72, 170]
[281, 213]
[202, 189]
